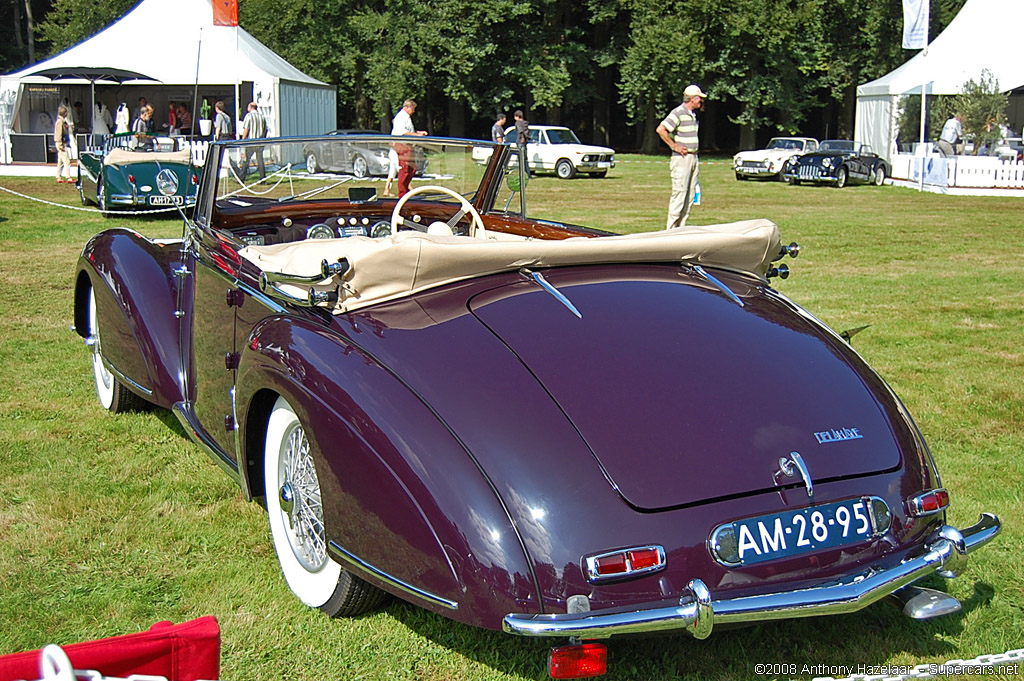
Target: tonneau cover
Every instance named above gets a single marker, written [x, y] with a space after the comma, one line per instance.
[408, 262]
[120, 157]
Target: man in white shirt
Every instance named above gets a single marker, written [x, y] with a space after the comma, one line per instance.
[951, 133]
[402, 125]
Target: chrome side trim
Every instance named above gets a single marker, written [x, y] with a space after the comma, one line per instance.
[718, 284]
[698, 612]
[338, 552]
[186, 416]
[120, 376]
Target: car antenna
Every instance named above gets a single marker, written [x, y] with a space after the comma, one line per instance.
[195, 101]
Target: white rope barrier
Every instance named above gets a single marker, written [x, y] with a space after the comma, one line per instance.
[83, 209]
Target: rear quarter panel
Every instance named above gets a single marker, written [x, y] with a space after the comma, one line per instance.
[400, 491]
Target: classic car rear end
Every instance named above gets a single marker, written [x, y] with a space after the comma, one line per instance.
[447, 400]
[125, 174]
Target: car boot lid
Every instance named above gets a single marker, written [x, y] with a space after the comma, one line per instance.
[711, 399]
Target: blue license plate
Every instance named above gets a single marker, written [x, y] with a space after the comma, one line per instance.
[791, 533]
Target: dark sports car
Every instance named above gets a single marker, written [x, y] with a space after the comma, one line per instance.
[126, 173]
[837, 162]
[515, 423]
[360, 153]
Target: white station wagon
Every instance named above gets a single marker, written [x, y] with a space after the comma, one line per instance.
[768, 162]
[556, 148]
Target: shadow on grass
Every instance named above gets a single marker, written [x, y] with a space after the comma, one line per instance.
[869, 637]
[167, 417]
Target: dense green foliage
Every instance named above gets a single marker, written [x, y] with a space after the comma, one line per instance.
[983, 107]
[604, 66]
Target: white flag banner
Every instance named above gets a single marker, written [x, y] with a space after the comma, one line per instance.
[915, 24]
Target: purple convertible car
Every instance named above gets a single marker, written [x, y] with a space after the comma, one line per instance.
[515, 423]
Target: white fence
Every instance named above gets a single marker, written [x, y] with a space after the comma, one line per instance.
[979, 172]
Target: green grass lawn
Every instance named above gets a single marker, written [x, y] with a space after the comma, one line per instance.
[109, 524]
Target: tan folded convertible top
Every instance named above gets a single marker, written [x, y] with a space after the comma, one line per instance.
[410, 261]
[120, 157]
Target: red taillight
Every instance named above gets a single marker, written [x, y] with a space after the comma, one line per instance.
[928, 502]
[612, 565]
[195, 179]
[624, 563]
[131, 178]
[579, 661]
[643, 559]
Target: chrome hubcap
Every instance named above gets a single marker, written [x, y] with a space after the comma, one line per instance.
[301, 505]
[287, 500]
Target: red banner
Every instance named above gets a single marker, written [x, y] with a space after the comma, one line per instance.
[225, 12]
[183, 652]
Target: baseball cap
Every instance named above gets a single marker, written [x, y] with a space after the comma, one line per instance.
[694, 91]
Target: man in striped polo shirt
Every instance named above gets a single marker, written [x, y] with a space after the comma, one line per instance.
[679, 132]
[254, 126]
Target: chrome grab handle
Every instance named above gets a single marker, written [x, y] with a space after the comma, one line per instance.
[269, 281]
[327, 270]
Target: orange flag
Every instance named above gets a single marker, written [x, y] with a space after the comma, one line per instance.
[225, 12]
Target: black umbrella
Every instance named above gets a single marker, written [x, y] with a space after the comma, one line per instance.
[107, 74]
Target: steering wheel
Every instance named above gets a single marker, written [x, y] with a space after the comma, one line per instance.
[476, 227]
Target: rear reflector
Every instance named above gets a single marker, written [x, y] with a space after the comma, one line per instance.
[579, 661]
[624, 563]
[928, 502]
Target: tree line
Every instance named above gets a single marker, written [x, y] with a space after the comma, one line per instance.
[609, 68]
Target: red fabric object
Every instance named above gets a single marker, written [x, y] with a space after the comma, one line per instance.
[225, 12]
[406, 171]
[189, 651]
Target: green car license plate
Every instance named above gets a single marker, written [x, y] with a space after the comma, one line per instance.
[791, 533]
[166, 200]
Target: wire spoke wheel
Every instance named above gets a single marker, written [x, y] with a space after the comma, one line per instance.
[295, 511]
[305, 514]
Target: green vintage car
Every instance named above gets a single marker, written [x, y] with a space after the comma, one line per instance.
[129, 173]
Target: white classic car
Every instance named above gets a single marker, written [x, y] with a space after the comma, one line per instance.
[768, 162]
[556, 148]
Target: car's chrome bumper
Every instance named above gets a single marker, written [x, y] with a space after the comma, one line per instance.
[698, 612]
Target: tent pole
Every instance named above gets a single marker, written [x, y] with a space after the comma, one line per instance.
[92, 114]
[924, 102]
[238, 104]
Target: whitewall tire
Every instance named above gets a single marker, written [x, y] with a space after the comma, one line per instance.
[295, 512]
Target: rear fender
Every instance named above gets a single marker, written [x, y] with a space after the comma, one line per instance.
[405, 506]
[136, 303]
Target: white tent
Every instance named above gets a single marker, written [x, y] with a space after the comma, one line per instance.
[162, 39]
[981, 37]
